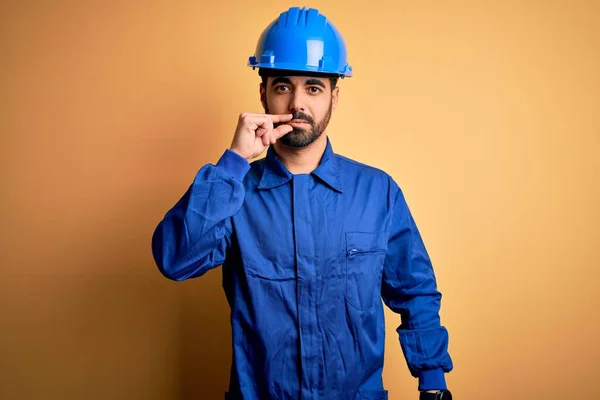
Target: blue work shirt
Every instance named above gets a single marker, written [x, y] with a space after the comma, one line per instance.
[307, 260]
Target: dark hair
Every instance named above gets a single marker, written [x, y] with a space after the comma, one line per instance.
[267, 72]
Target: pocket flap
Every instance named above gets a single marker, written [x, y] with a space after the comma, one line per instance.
[361, 242]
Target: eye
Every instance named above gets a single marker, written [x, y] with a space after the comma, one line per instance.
[282, 88]
[314, 90]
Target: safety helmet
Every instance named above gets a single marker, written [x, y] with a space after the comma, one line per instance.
[302, 39]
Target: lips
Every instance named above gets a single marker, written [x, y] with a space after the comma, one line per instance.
[298, 121]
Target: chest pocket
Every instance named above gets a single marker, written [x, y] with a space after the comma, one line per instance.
[365, 256]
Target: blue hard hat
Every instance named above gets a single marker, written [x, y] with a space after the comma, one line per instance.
[302, 39]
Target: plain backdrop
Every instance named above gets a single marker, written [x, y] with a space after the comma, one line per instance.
[485, 112]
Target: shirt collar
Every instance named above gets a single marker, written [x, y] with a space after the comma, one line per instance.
[276, 174]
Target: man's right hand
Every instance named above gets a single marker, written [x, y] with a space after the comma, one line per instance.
[255, 132]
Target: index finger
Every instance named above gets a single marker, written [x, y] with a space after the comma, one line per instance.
[280, 117]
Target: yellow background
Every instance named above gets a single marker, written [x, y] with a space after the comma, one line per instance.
[486, 113]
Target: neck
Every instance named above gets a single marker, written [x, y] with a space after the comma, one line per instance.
[302, 160]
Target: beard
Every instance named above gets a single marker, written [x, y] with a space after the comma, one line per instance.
[302, 137]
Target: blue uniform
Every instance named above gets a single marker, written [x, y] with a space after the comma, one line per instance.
[307, 260]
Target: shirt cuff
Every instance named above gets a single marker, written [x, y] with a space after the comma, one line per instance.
[432, 379]
[234, 164]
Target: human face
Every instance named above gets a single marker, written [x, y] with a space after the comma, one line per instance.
[309, 99]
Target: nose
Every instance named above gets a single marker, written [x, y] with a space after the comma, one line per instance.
[297, 101]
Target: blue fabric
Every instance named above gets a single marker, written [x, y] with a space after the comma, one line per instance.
[307, 260]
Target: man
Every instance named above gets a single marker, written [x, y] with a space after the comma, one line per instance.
[309, 241]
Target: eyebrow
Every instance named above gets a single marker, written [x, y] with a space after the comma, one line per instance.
[316, 82]
[308, 82]
[281, 79]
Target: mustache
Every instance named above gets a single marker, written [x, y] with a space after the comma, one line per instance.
[300, 116]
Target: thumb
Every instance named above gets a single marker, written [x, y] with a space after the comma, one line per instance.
[282, 130]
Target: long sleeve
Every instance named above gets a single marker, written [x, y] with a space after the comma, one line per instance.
[409, 288]
[194, 235]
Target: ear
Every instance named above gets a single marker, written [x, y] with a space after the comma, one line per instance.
[335, 93]
[263, 96]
